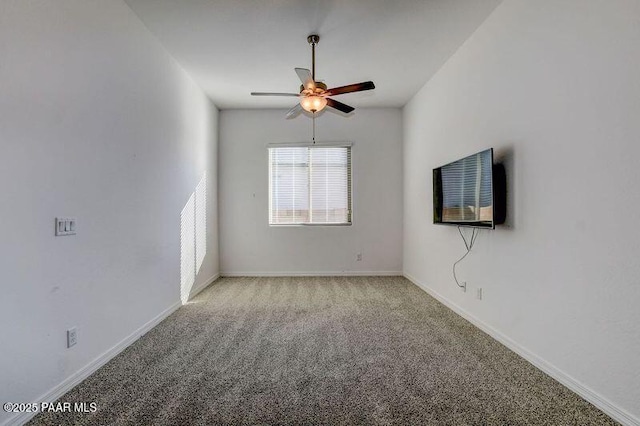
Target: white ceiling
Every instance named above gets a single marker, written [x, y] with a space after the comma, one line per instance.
[234, 47]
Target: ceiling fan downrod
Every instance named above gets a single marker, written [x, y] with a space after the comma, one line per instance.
[313, 39]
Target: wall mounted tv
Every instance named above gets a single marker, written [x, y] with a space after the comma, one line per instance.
[470, 192]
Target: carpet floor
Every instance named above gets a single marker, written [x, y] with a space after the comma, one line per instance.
[320, 350]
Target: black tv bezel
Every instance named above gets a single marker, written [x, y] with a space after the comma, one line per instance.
[480, 225]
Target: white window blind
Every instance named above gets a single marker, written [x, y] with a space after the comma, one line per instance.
[309, 185]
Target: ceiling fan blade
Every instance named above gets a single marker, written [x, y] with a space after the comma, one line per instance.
[358, 87]
[339, 106]
[306, 78]
[274, 94]
[293, 112]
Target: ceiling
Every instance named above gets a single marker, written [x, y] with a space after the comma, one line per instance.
[234, 47]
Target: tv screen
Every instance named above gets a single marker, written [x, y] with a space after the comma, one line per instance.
[463, 192]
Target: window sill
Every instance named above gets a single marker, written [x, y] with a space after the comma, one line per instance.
[299, 225]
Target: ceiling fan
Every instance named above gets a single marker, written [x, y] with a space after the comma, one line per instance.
[314, 95]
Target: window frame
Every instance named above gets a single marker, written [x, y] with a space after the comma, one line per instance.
[348, 145]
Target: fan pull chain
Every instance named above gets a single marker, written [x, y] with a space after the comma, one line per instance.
[314, 128]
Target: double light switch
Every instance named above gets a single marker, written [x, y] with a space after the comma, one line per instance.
[65, 226]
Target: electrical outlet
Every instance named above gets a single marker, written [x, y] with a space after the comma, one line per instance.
[359, 257]
[72, 337]
[479, 293]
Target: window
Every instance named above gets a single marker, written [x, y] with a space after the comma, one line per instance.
[310, 185]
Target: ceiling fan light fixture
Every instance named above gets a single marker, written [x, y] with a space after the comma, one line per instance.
[314, 95]
[313, 103]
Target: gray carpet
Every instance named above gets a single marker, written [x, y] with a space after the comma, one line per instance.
[335, 350]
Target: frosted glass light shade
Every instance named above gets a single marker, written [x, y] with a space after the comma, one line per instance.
[313, 103]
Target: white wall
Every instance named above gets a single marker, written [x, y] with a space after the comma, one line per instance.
[553, 86]
[97, 122]
[250, 246]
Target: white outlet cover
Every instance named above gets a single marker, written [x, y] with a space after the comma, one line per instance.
[72, 337]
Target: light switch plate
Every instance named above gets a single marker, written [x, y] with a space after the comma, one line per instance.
[65, 226]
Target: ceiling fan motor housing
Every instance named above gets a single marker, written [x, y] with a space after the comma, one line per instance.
[320, 87]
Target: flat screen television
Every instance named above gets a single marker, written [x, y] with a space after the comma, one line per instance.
[469, 192]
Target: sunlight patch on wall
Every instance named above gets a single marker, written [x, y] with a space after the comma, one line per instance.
[187, 248]
[201, 222]
[193, 238]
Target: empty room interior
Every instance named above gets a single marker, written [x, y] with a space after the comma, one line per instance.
[319, 212]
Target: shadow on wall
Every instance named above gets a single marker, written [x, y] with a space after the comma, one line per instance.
[193, 238]
[506, 157]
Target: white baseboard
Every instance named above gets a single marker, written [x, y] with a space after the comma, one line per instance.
[313, 274]
[197, 289]
[77, 377]
[576, 386]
